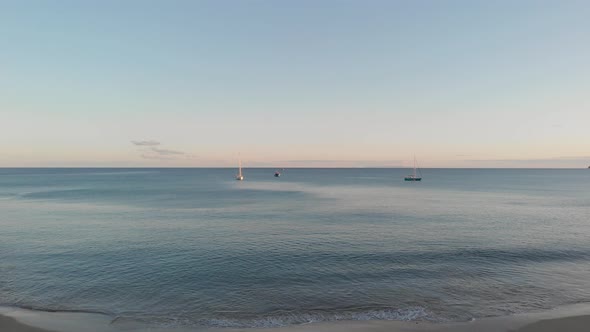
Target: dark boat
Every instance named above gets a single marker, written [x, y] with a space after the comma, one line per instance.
[413, 177]
[277, 174]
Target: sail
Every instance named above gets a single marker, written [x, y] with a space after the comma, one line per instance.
[239, 176]
[414, 176]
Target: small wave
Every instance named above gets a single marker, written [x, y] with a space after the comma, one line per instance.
[282, 318]
[57, 194]
[279, 319]
[8, 196]
[53, 310]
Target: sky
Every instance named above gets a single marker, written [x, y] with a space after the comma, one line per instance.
[302, 83]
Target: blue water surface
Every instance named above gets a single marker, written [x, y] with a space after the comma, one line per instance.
[194, 247]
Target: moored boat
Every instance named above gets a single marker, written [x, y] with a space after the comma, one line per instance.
[239, 176]
[413, 176]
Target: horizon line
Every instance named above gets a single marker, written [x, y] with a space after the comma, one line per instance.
[270, 167]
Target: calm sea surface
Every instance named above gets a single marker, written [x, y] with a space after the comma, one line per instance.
[193, 247]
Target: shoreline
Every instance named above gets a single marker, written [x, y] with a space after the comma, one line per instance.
[569, 318]
[11, 324]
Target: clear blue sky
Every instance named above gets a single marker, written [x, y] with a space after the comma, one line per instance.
[295, 83]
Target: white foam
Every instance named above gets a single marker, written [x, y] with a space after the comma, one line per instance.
[284, 319]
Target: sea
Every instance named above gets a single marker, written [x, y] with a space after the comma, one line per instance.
[193, 247]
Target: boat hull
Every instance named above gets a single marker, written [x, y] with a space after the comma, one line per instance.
[412, 179]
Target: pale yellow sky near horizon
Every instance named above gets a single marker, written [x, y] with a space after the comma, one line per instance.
[98, 141]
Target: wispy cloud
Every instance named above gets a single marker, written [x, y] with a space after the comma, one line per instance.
[564, 161]
[148, 150]
[145, 143]
[341, 163]
[165, 152]
[556, 159]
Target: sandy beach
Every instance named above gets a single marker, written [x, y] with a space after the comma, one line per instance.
[566, 324]
[574, 318]
[10, 324]
[574, 324]
[501, 324]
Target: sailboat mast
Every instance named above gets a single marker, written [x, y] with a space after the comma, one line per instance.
[414, 166]
[240, 167]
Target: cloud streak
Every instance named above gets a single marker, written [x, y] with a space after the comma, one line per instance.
[556, 159]
[148, 149]
[165, 152]
[340, 163]
[558, 162]
[145, 143]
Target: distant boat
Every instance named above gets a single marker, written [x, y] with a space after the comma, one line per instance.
[239, 176]
[277, 174]
[413, 176]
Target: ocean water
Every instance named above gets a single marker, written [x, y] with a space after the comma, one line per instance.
[194, 247]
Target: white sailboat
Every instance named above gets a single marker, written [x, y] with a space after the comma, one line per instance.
[413, 176]
[239, 176]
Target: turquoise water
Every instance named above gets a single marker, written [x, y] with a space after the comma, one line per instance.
[193, 247]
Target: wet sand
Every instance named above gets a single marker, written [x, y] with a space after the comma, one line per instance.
[566, 324]
[9, 324]
[568, 319]
[504, 324]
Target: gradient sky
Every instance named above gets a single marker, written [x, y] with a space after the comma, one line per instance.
[295, 83]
